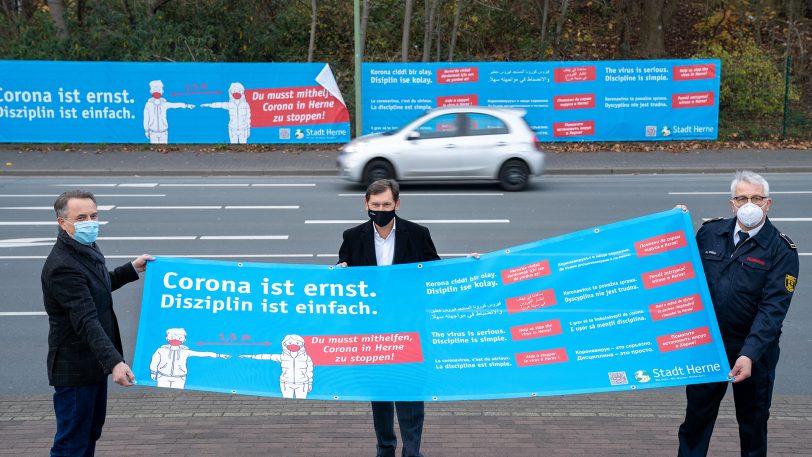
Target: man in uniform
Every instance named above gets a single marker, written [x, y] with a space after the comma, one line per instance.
[751, 269]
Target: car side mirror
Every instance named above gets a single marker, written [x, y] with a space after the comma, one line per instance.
[413, 136]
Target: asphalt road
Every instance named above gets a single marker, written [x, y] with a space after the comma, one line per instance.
[300, 220]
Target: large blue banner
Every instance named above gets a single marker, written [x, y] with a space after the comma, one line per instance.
[636, 100]
[618, 307]
[128, 102]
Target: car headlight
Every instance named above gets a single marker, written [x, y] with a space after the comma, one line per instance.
[354, 147]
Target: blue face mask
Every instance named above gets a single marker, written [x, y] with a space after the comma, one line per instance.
[86, 232]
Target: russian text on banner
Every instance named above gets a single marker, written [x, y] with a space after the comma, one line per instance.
[130, 102]
[635, 100]
[622, 306]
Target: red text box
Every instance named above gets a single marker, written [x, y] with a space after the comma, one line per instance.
[660, 243]
[458, 75]
[691, 72]
[529, 271]
[668, 275]
[536, 300]
[290, 106]
[536, 330]
[458, 100]
[684, 340]
[692, 100]
[675, 307]
[574, 74]
[368, 349]
[575, 128]
[526, 359]
[575, 101]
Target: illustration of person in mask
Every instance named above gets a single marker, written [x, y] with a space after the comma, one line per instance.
[156, 127]
[239, 114]
[296, 380]
[168, 366]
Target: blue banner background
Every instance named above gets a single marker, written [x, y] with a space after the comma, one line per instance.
[459, 310]
[625, 100]
[72, 85]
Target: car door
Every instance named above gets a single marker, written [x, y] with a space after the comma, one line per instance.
[432, 148]
[487, 141]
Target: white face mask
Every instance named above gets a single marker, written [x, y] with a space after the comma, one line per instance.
[749, 215]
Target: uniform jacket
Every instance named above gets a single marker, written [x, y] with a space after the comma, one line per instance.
[412, 244]
[83, 341]
[751, 286]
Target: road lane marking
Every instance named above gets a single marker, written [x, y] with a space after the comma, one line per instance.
[206, 207]
[205, 185]
[437, 194]
[22, 313]
[96, 195]
[244, 237]
[38, 208]
[84, 185]
[283, 185]
[263, 207]
[139, 184]
[37, 222]
[419, 221]
[786, 192]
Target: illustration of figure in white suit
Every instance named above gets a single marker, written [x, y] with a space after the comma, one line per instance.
[239, 113]
[297, 367]
[168, 366]
[156, 127]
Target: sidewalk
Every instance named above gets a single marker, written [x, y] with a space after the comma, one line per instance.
[187, 424]
[323, 162]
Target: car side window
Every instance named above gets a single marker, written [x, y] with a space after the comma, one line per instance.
[444, 126]
[485, 124]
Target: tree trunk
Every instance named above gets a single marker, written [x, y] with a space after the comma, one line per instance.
[454, 30]
[80, 12]
[364, 21]
[652, 29]
[312, 46]
[129, 10]
[431, 13]
[407, 22]
[57, 9]
[158, 5]
[545, 13]
[562, 18]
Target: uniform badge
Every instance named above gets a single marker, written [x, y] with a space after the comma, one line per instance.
[789, 283]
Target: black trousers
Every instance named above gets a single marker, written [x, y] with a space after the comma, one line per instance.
[752, 398]
[410, 419]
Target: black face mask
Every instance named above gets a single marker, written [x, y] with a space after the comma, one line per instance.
[381, 218]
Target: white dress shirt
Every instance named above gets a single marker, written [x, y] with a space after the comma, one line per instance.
[384, 247]
[752, 232]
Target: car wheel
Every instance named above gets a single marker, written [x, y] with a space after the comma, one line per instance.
[514, 176]
[378, 169]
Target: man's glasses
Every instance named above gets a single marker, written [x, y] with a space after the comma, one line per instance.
[757, 200]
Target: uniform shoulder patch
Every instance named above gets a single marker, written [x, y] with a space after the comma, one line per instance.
[788, 240]
[713, 220]
[790, 282]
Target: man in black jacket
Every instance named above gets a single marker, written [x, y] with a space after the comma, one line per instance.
[385, 240]
[84, 344]
[752, 269]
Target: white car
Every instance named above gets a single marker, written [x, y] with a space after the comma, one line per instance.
[455, 143]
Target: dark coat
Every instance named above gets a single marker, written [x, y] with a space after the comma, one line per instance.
[412, 244]
[751, 286]
[83, 341]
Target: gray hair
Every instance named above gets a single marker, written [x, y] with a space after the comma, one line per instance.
[61, 203]
[751, 178]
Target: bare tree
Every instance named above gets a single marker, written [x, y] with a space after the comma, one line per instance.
[407, 22]
[562, 18]
[431, 13]
[364, 22]
[158, 5]
[129, 10]
[57, 9]
[312, 46]
[454, 30]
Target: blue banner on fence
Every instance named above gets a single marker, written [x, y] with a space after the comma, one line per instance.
[636, 100]
[129, 102]
[618, 307]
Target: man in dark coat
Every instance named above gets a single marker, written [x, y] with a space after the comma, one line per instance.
[84, 344]
[385, 240]
[752, 270]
